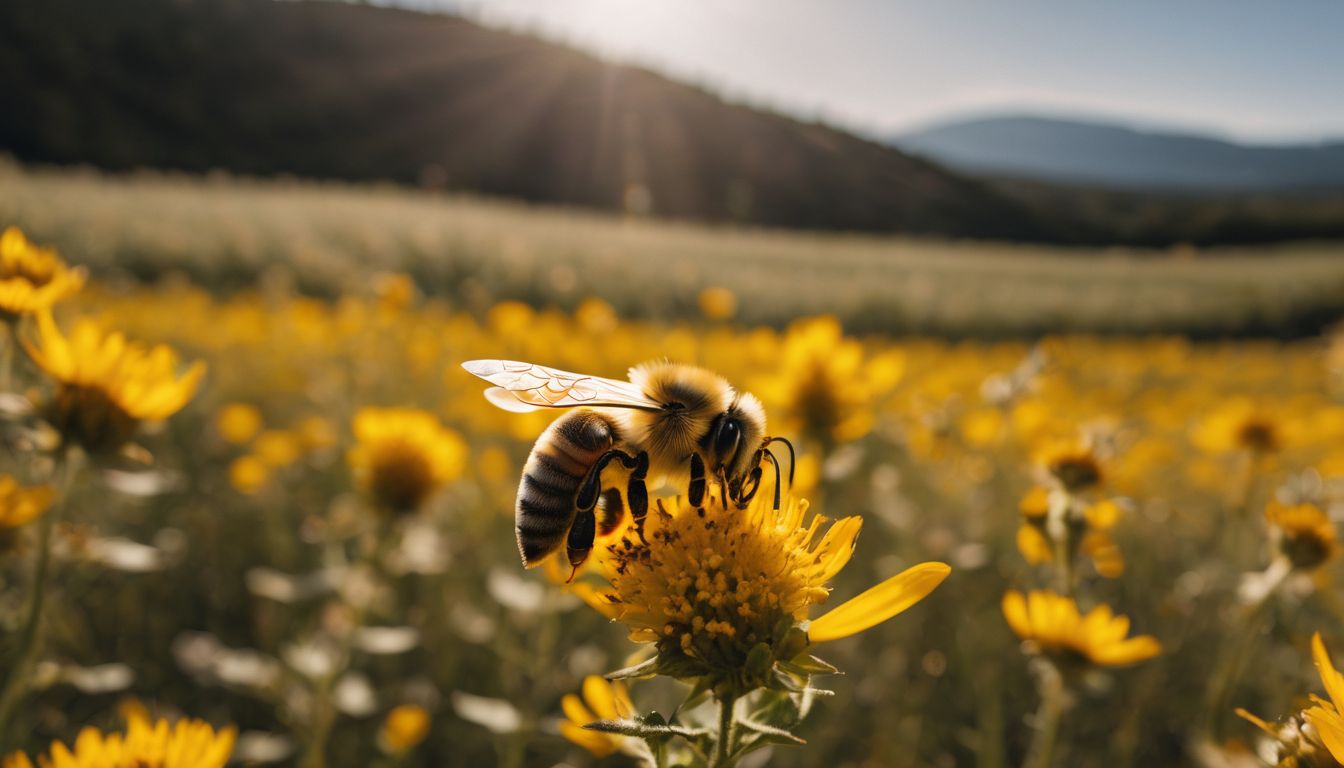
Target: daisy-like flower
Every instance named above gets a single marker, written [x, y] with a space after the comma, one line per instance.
[1305, 534]
[403, 456]
[403, 729]
[1327, 717]
[1240, 425]
[106, 385]
[20, 505]
[1070, 465]
[32, 279]
[1091, 532]
[726, 593]
[184, 744]
[1051, 625]
[601, 700]
[826, 385]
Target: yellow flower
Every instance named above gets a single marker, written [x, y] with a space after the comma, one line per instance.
[1239, 424]
[32, 279]
[106, 384]
[404, 728]
[1074, 467]
[402, 456]
[825, 386]
[20, 505]
[1051, 624]
[725, 592]
[247, 474]
[601, 700]
[1305, 533]
[238, 422]
[184, 744]
[1327, 717]
[718, 303]
[278, 448]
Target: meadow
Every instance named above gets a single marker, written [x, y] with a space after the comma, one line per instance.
[311, 539]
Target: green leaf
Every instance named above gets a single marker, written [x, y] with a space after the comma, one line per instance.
[644, 729]
[810, 665]
[644, 669]
[770, 732]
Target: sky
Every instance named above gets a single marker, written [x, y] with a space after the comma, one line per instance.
[1251, 70]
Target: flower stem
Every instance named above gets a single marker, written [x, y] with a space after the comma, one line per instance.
[723, 745]
[30, 645]
[1048, 716]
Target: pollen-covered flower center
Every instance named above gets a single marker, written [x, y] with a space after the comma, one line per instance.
[1258, 435]
[712, 583]
[90, 416]
[1076, 473]
[401, 477]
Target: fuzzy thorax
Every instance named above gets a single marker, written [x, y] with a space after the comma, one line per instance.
[693, 398]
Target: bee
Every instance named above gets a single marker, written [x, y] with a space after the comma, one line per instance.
[670, 422]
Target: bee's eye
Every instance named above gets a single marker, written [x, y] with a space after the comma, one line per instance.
[725, 444]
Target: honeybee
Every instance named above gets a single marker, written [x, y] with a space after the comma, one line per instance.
[669, 421]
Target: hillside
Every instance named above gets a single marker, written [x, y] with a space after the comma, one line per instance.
[1099, 153]
[356, 92]
[331, 90]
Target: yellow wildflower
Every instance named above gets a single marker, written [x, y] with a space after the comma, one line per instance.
[1305, 534]
[184, 744]
[1051, 624]
[602, 700]
[106, 384]
[404, 728]
[402, 456]
[1072, 466]
[238, 422]
[247, 474]
[32, 279]
[1239, 424]
[21, 505]
[1327, 717]
[718, 303]
[726, 592]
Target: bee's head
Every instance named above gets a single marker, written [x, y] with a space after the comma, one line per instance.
[734, 438]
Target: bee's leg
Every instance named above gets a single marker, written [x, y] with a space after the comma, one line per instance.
[579, 543]
[612, 510]
[695, 494]
[637, 493]
[752, 485]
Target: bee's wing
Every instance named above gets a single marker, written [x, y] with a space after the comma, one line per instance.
[524, 387]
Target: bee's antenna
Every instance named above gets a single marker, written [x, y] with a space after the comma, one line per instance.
[775, 461]
[793, 458]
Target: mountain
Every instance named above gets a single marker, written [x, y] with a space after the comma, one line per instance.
[1104, 154]
[358, 92]
[338, 90]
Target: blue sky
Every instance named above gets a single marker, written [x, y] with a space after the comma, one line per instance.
[1255, 70]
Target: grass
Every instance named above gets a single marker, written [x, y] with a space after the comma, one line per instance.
[327, 238]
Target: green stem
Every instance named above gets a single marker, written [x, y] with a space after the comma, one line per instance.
[1234, 662]
[30, 645]
[1048, 716]
[723, 745]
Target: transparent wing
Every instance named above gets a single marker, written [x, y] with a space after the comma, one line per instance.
[535, 386]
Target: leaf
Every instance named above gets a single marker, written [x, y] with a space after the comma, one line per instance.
[810, 665]
[779, 735]
[642, 729]
[644, 669]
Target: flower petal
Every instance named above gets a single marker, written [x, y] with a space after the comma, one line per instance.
[879, 603]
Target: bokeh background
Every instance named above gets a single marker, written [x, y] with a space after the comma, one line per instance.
[933, 240]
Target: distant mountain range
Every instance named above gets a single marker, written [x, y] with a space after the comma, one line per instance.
[1111, 155]
[359, 92]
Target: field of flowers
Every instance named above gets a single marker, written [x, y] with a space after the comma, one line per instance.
[285, 524]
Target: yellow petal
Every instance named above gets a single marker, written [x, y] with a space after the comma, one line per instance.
[879, 603]
[1330, 677]
[1015, 611]
[1330, 726]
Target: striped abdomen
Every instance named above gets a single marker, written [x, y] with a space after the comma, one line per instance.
[558, 465]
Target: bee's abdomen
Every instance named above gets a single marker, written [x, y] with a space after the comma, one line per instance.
[560, 460]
